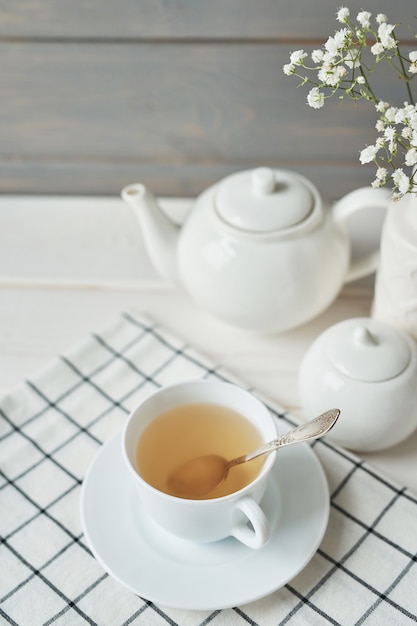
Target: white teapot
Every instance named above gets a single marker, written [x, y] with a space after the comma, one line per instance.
[259, 250]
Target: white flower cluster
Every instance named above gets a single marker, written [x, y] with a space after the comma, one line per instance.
[342, 53]
[398, 131]
[341, 69]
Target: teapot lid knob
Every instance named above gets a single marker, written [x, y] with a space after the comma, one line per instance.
[263, 181]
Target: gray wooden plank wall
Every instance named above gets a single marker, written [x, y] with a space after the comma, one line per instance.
[175, 93]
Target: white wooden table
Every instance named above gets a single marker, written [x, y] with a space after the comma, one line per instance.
[68, 265]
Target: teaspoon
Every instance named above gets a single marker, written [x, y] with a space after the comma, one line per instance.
[202, 474]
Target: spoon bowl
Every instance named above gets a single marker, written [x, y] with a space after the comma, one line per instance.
[200, 475]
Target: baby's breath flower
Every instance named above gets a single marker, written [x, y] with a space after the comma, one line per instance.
[390, 114]
[412, 122]
[413, 62]
[288, 69]
[411, 157]
[364, 19]
[368, 154]
[315, 98]
[325, 74]
[377, 49]
[402, 115]
[343, 15]
[381, 18]
[381, 106]
[336, 43]
[409, 111]
[380, 178]
[317, 56]
[401, 181]
[389, 133]
[341, 72]
[381, 173]
[332, 75]
[297, 57]
[385, 35]
[341, 36]
[406, 133]
[331, 46]
[361, 80]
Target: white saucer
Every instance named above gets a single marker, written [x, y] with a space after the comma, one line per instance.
[176, 573]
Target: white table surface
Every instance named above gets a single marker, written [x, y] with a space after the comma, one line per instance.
[68, 265]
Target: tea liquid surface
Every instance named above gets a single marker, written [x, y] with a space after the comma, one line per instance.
[192, 430]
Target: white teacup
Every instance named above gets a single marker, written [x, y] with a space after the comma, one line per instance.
[238, 514]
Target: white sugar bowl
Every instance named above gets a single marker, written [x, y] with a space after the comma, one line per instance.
[368, 370]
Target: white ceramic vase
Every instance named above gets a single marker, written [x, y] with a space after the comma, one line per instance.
[395, 299]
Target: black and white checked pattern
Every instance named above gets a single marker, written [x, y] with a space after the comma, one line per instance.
[51, 427]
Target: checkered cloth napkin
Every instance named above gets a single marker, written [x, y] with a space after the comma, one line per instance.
[364, 572]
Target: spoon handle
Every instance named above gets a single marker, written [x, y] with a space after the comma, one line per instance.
[314, 429]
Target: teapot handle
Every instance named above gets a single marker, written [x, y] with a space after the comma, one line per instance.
[363, 198]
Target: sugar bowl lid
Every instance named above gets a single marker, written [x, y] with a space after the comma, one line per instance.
[263, 199]
[367, 350]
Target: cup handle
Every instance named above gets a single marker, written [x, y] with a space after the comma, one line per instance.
[261, 529]
[362, 198]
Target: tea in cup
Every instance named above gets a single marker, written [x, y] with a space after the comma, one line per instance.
[187, 420]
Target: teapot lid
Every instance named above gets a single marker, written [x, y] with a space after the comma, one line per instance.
[367, 350]
[263, 200]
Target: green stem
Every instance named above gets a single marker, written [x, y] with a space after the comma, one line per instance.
[404, 74]
[367, 85]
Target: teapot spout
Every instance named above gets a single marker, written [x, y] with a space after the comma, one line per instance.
[159, 233]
